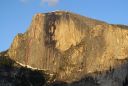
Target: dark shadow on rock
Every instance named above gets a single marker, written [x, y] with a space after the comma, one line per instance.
[12, 74]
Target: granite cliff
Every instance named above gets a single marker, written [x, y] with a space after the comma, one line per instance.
[78, 50]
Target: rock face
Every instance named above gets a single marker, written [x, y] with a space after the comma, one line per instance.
[13, 74]
[73, 46]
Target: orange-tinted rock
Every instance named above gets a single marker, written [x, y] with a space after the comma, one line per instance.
[70, 45]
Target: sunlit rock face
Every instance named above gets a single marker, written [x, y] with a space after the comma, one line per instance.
[71, 45]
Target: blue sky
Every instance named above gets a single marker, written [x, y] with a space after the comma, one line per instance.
[16, 15]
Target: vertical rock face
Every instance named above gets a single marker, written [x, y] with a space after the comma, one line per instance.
[71, 45]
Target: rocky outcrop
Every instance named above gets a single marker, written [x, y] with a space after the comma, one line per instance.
[73, 46]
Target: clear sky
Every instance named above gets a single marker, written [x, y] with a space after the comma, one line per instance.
[16, 15]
